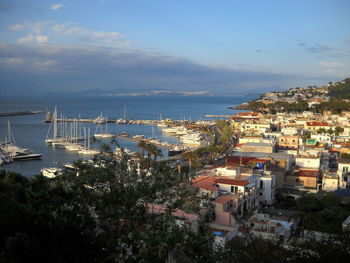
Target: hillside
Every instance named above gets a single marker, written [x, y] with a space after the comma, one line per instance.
[340, 90]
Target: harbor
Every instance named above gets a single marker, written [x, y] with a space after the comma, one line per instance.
[150, 118]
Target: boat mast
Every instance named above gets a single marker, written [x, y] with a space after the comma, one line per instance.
[10, 136]
[89, 138]
[55, 123]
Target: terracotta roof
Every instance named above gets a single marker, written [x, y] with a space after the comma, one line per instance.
[232, 182]
[308, 173]
[225, 198]
[247, 114]
[207, 183]
[244, 160]
[316, 123]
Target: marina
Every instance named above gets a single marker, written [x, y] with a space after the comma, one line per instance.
[31, 131]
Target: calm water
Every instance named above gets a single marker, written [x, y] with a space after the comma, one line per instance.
[30, 131]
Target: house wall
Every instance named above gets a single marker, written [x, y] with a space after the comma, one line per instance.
[329, 184]
[227, 188]
[257, 148]
[308, 162]
[301, 181]
[288, 142]
[266, 186]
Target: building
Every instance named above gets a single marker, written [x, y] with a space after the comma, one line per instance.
[267, 189]
[305, 178]
[288, 142]
[330, 182]
[265, 227]
[254, 127]
[316, 125]
[344, 172]
[258, 147]
[308, 161]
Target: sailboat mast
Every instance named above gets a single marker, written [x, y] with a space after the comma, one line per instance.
[8, 131]
[55, 123]
[89, 139]
[84, 137]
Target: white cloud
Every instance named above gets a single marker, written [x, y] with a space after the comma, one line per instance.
[27, 39]
[16, 27]
[39, 27]
[41, 39]
[331, 64]
[105, 35]
[58, 28]
[45, 63]
[56, 7]
[99, 37]
[76, 31]
[14, 60]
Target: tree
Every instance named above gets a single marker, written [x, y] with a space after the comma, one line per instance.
[99, 216]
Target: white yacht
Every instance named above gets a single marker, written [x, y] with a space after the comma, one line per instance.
[51, 172]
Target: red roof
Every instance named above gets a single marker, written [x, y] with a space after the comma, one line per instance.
[232, 182]
[224, 199]
[308, 173]
[247, 114]
[316, 123]
[207, 183]
[244, 160]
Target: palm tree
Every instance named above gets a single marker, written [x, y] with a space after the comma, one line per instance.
[191, 157]
[157, 153]
[143, 146]
[150, 148]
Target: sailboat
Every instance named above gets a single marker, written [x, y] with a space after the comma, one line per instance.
[87, 150]
[123, 120]
[100, 120]
[13, 151]
[54, 138]
[101, 134]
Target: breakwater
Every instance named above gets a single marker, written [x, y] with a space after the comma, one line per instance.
[8, 114]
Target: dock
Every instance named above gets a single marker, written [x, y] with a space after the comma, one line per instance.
[131, 122]
[218, 116]
[160, 144]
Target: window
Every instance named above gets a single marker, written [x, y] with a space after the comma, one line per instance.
[232, 189]
[261, 184]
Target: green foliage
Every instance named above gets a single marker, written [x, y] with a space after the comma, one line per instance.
[323, 212]
[345, 155]
[340, 91]
[98, 216]
[336, 106]
[225, 132]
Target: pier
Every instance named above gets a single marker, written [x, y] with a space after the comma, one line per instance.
[218, 116]
[160, 144]
[131, 122]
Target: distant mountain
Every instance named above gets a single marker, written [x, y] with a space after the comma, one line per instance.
[124, 92]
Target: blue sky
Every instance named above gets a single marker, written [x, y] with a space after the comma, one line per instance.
[220, 46]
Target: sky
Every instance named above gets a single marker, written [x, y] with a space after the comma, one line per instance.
[226, 47]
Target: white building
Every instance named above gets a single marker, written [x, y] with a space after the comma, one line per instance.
[267, 189]
[344, 173]
[330, 182]
[308, 162]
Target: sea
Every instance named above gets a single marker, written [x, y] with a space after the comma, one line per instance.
[30, 131]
